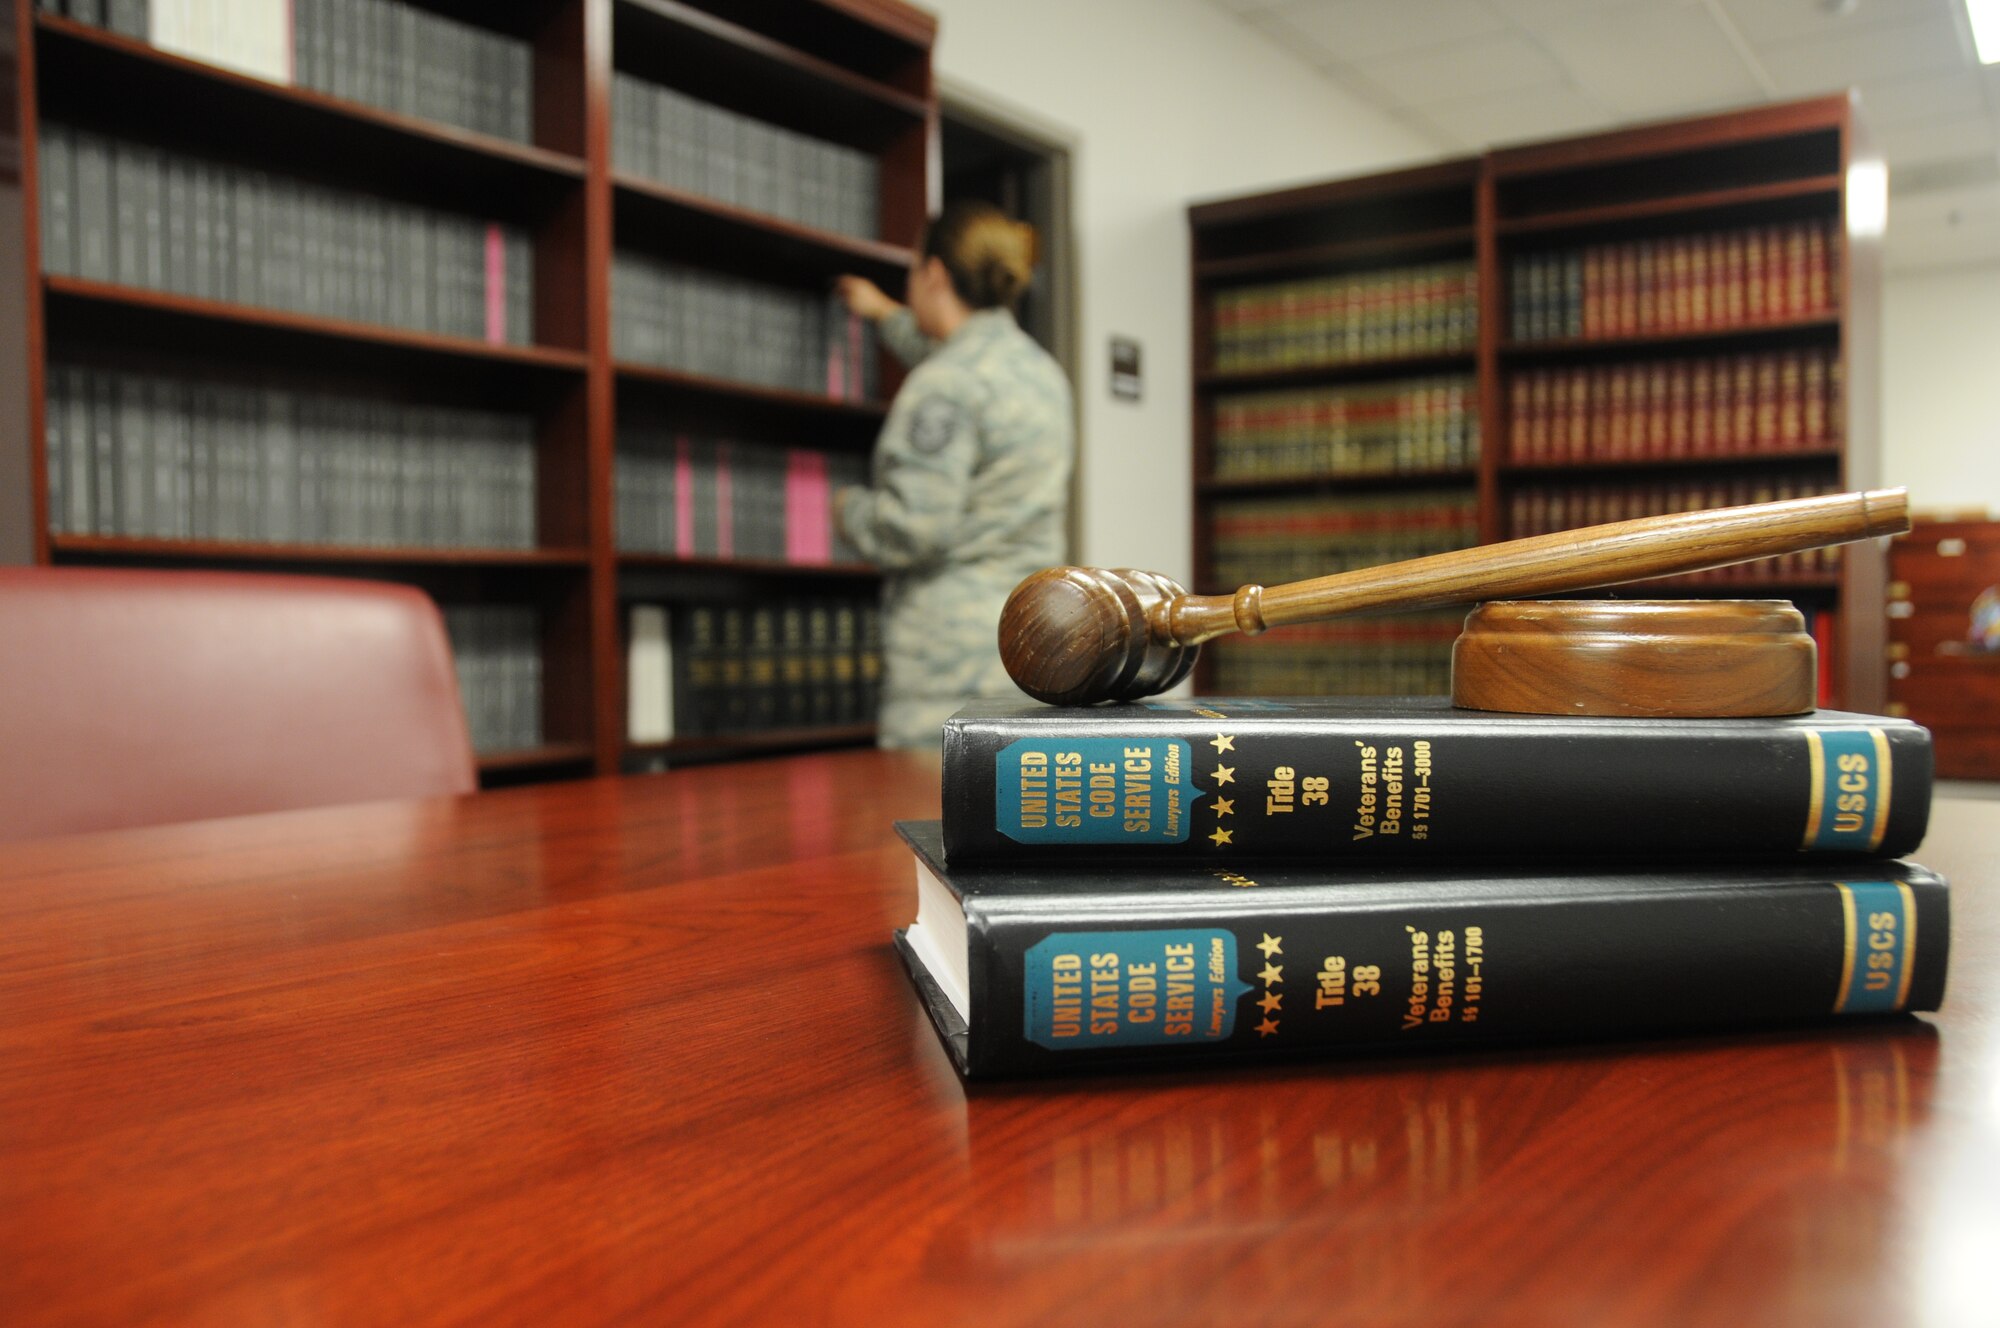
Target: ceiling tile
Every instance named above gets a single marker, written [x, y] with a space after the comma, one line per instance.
[1763, 22]
[1279, 29]
[1652, 60]
[1466, 69]
[1890, 102]
[1356, 30]
[1830, 63]
[1514, 117]
[1536, 14]
[1937, 139]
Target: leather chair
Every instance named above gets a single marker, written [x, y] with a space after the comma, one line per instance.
[140, 697]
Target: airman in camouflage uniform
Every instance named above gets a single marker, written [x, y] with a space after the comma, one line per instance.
[969, 489]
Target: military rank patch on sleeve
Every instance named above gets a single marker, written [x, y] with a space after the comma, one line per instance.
[933, 423]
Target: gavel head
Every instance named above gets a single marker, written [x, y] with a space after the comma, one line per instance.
[1078, 635]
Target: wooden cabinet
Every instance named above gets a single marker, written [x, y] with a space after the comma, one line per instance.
[1943, 671]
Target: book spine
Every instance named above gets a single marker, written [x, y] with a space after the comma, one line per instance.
[1095, 979]
[1323, 786]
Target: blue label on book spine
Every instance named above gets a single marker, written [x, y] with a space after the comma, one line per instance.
[1131, 988]
[1881, 947]
[1847, 806]
[1095, 791]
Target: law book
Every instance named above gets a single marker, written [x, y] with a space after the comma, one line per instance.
[1227, 781]
[1038, 970]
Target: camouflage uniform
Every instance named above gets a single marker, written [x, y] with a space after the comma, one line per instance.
[969, 488]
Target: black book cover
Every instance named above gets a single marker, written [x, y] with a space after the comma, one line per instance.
[1228, 780]
[1086, 968]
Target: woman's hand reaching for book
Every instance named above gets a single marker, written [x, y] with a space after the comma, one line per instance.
[865, 298]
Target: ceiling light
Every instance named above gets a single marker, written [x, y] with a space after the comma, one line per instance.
[1985, 16]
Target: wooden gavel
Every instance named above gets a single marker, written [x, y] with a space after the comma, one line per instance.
[1079, 635]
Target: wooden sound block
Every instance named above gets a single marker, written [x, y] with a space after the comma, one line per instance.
[1691, 658]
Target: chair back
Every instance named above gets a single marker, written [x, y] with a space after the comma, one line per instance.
[141, 697]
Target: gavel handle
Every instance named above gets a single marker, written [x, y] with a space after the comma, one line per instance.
[1546, 564]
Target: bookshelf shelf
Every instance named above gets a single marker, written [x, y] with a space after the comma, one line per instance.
[123, 548]
[190, 321]
[1355, 371]
[1740, 213]
[846, 735]
[192, 103]
[669, 218]
[767, 567]
[1701, 208]
[1771, 460]
[1774, 332]
[711, 55]
[548, 756]
[1314, 481]
[1413, 246]
[678, 381]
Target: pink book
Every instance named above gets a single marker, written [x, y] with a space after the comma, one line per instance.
[683, 499]
[797, 482]
[496, 285]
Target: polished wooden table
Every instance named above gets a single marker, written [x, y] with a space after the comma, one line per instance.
[640, 1050]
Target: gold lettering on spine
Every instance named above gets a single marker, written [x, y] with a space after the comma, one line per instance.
[1816, 786]
[1847, 938]
[1881, 793]
[1909, 934]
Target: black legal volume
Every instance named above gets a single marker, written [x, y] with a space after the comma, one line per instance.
[1227, 780]
[1033, 970]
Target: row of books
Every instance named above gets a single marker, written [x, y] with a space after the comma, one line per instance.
[1269, 541]
[1538, 509]
[1425, 876]
[661, 134]
[724, 326]
[1680, 283]
[498, 651]
[1396, 312]
[1732, 406]
[117, 210]
[151, 455]
[1408, 655]
[390, 54]
[717, 670]
[730, 498]
[1411, 424]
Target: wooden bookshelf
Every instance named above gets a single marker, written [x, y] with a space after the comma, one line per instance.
[851, 73]
[1658, 189]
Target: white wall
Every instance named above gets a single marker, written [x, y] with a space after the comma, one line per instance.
[1941, 386]
[1164, 101]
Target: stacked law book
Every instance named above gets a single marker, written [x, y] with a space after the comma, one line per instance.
[1729, 406]
[498, 651]
[123, 211]
[715, 670]
[1388, 314]
[1539, 509]
[192, 457]
[697, 497]
[1238, 879]
[722, 326]
[1678, 283]
[663, 135]
[384, 53]
[1404, 655]
[1378, 429]
[1269, 541]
